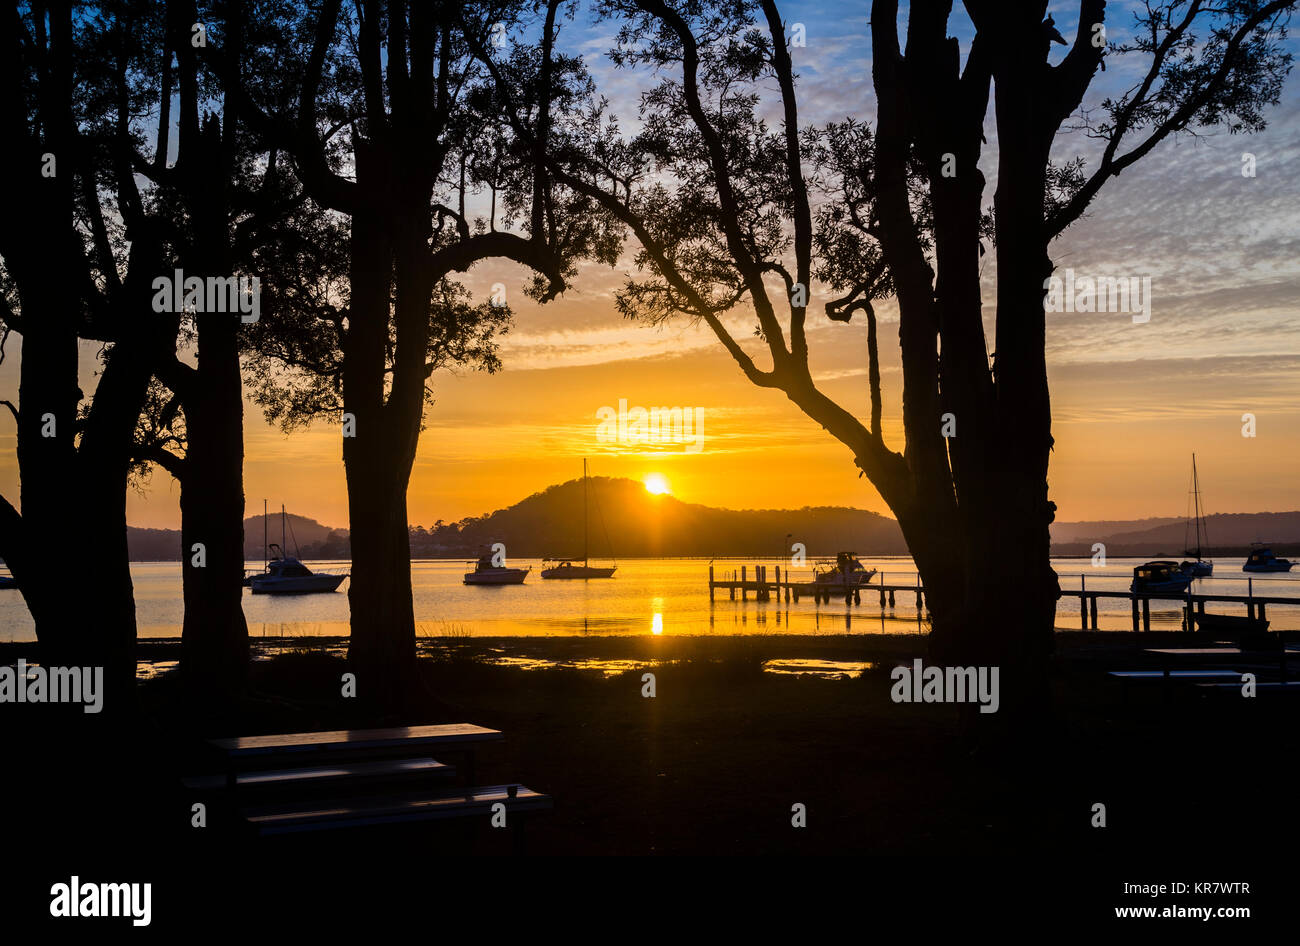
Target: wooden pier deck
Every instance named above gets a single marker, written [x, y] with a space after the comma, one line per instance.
[782, 584]
[764, 587]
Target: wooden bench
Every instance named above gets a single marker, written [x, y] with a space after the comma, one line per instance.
[392, 809]
[359, 777]
[245, 752]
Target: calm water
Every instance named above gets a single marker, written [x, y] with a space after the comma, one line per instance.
[646, 596]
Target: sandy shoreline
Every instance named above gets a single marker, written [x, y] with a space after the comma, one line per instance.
[820, 655]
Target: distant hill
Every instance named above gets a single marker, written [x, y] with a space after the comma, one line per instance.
[1077, 532]
[627, 521]
[1229, 533]
[313, 539]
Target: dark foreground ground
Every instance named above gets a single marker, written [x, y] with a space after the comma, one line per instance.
[1191, 782]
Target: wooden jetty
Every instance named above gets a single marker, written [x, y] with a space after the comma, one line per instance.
[792, 588]
[764, 583]
[1256, 605]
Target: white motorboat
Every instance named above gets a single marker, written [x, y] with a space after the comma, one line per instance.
[284, 574]
[486, 573]
[1262, 559]
[1159, 578]
[846, 572]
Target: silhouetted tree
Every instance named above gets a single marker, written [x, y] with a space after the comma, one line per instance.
[729, 212]
[79, 255]
[386, 129]
[94, 88]
[211, 195]
[217, 201]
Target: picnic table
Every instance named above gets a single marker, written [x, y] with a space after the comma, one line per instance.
[310, 781]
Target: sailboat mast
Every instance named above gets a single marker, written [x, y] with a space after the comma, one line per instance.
[283, 553]
[1196, 498]
[585, 559]
[1196, 508]
[264, 558]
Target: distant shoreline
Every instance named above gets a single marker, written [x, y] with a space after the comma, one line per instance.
[1075, 552]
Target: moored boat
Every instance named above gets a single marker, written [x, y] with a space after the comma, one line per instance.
[1199, 567]
[1159, 577]
[487, 573]
[1262, 559]
[569, 567]
[846, 572]
[285, 575]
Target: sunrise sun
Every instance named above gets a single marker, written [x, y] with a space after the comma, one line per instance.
[655, 483]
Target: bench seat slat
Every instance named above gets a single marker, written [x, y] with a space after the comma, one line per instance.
[325, 774]
[350, 739]
[1195, 651]
[426, 806]
[1172, 674]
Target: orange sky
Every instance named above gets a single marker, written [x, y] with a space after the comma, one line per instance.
[1129, 412]
[1131, 402]
[1125, 426]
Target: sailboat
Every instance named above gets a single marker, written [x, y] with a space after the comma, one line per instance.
[284, 574]
[1199, 568]
[568, 567]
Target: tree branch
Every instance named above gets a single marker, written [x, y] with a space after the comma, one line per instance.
[1070, 80]
[1111, 166]
[802, 213]
[150, 453]
[728, 204]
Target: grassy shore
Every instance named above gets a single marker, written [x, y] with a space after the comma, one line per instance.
[715, 761]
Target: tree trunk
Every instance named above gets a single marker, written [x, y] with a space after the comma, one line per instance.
[105, 594]
[377, 460]
[74, 503]
[382, 648]
[214, 642]
[991, 594]
[48, 397]
[104, 462]
[1023, 432]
